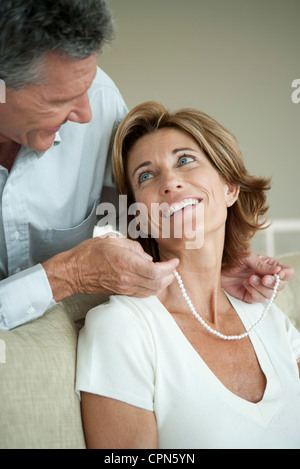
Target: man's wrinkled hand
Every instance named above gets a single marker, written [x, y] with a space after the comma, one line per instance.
[253, 279]
[108, 266]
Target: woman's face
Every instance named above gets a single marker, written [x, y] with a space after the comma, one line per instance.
[167, 169]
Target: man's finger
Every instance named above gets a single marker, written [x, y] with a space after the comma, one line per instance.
[152, 287]
[263, 288]
[152, 270]
[256, 294]
[267, 266]
[136, 247]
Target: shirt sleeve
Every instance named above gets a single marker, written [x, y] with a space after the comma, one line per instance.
[24, 296]
[116, 356]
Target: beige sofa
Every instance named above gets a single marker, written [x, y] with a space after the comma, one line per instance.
[38, 405]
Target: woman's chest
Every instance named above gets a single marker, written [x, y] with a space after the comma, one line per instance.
[234, 363]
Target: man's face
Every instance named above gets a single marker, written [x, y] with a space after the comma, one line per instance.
[32, 116]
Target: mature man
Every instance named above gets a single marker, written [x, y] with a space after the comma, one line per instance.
[56, 127]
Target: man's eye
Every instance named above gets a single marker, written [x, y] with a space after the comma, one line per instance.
[144, 177]
[184, 160]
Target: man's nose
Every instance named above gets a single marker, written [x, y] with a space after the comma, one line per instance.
[81, 110]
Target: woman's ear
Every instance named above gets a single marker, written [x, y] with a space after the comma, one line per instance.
[231, 194]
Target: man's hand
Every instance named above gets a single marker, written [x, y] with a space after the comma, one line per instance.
[253, 280]
[108, 266]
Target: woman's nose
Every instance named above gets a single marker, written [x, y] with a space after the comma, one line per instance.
[171, 182]
[81, 110]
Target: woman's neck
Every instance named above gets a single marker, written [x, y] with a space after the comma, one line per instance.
[200, 271]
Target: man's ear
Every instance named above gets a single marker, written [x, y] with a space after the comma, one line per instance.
[231, 194]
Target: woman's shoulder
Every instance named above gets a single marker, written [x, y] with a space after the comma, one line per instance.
[274, 317]
[120, 310]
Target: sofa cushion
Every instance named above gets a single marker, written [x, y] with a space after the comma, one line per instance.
[38, 405]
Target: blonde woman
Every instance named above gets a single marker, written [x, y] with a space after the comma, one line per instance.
[192, 367]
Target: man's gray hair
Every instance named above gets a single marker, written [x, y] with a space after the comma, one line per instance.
[29, 29]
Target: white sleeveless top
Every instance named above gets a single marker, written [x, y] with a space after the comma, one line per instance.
[132, 350]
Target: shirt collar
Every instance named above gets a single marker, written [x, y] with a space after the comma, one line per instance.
[57, 141]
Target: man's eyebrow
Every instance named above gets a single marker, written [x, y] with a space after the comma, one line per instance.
[146, 163]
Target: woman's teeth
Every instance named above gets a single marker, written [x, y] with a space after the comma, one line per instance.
[179, 206]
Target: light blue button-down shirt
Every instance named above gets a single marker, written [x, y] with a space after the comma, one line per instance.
[49, 201]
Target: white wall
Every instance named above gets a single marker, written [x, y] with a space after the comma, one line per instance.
[233, 59]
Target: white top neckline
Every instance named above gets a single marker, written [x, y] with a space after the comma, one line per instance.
[261, 412]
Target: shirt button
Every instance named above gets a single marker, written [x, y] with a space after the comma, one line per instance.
[9, 187]
[31, 309]
[15, 236]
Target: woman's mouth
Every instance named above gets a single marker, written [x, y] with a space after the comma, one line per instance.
[178, 206]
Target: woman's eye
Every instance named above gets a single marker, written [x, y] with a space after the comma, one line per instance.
[184, 160]
[144, 177]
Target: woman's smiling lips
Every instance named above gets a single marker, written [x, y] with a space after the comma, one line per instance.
[180, 204]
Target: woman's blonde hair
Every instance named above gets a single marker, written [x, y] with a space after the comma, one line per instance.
[244, 218]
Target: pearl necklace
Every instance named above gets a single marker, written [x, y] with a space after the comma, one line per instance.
[213, 331]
